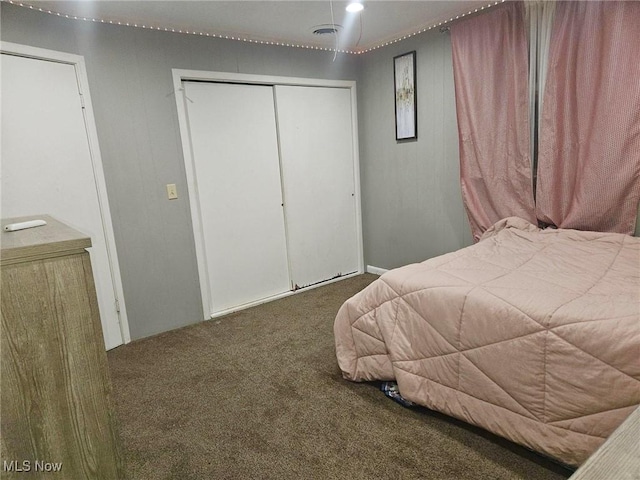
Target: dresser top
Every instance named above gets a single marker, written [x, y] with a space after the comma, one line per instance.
[50, 240]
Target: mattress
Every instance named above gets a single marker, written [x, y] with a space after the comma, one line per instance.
[531, 334]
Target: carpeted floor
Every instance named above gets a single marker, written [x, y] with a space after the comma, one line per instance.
[258, 394]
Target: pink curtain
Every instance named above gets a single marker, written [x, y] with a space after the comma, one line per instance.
[490, 65]
[589, 160]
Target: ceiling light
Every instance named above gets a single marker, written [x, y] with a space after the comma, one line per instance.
[354, 7]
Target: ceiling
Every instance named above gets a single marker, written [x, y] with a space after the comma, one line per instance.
[287, 21]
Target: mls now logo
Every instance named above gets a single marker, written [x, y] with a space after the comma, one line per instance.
[28, 466]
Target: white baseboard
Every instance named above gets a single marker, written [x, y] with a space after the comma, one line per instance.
[376, 270]
[255, 303]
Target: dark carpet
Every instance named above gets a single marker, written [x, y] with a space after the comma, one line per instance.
[258, 394]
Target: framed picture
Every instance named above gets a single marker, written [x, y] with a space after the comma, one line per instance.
[404, 79]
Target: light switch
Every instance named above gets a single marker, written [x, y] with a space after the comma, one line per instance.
[172, 192]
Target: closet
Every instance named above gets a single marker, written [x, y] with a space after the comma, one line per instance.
[272, 173]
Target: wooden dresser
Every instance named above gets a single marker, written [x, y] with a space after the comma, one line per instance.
[57, 411]
[619, 457]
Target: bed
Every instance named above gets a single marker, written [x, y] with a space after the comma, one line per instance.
[531, 334]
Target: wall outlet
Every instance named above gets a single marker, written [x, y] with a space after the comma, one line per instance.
[172, 191]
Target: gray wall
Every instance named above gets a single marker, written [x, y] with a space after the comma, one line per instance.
[411, 199]
[129, 72]
[412, 208]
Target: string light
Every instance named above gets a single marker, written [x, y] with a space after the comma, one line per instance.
[425, 29]
[261, 42]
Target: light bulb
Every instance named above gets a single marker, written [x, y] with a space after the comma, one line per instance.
[354, 7]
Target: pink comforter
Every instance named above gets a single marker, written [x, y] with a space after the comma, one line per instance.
[531, 334]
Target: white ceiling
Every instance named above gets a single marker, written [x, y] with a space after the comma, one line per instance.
[285, 21]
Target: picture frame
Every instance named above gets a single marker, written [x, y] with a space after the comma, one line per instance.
[406, 104]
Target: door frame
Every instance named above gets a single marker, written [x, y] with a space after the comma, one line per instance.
[77, 61]
[180, 75]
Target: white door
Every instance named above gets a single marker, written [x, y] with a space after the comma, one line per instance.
[47, 166]
[237, 190]
[316, 143]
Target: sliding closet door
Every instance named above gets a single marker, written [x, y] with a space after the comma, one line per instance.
[316, 145]
[237, 180]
